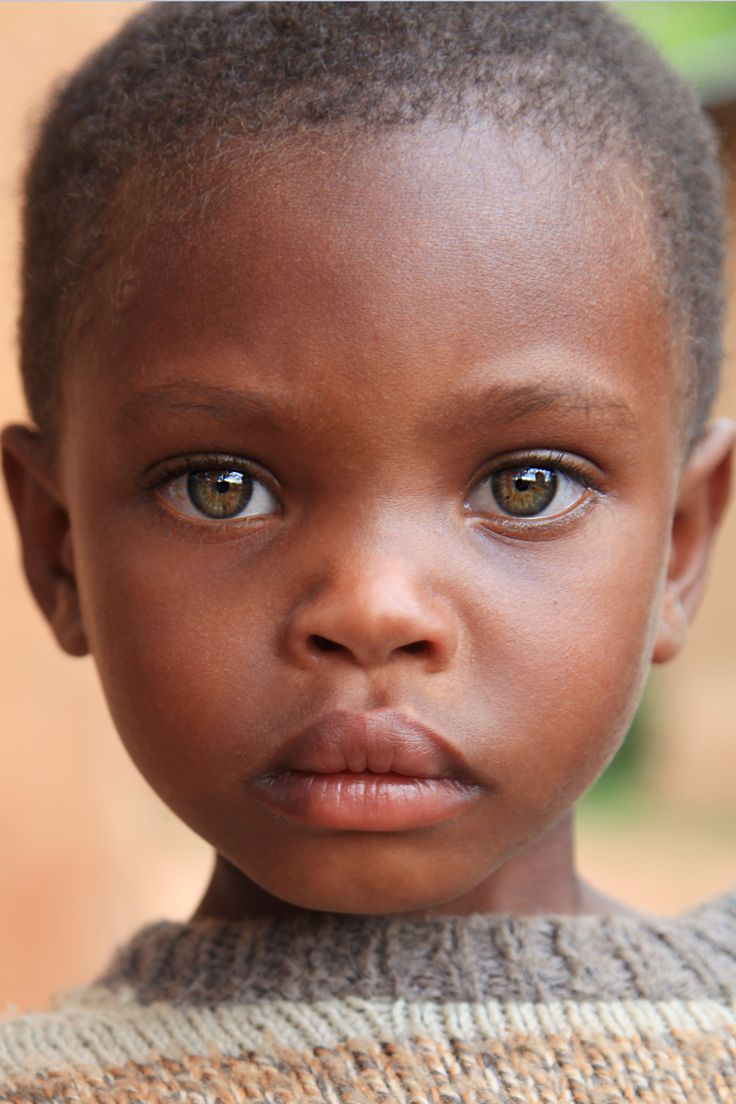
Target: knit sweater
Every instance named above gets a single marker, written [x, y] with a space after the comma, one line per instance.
[367, 1010]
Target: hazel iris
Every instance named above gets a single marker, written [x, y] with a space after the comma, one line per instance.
[220, 494]
[524, 492]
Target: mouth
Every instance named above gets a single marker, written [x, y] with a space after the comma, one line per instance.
[369, 772]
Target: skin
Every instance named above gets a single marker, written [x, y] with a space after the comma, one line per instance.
[429, 306]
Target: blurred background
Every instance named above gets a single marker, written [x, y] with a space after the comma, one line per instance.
[87, 853]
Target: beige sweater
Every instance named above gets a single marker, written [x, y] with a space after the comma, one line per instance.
[541, 1010]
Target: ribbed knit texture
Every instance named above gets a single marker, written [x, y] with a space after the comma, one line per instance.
[366, 1010]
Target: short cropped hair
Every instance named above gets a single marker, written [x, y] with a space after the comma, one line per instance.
[185, 81]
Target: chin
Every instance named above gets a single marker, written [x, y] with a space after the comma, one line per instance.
[367, 892]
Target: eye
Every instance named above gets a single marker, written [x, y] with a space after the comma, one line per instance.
[219, 494]
[527, 491]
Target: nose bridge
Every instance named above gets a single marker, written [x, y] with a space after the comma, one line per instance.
[371, 600]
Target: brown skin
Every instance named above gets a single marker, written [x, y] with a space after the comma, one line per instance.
[431, 306]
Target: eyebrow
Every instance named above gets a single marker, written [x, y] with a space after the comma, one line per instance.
[221, 403]
[461, 410]
[509, 404]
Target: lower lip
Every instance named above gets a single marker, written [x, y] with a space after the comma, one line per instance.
[366, 802]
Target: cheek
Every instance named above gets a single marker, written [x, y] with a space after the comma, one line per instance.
[184, 647]
[565, 631]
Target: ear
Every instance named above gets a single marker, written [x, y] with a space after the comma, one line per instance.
[702, 496]
[43, 524]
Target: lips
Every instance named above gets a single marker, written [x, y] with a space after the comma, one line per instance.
[377, 772]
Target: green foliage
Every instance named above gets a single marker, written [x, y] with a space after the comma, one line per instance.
[699, 39]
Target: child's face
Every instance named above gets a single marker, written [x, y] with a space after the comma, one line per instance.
[435, 379]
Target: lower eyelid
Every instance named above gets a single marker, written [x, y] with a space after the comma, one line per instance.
[536, 528]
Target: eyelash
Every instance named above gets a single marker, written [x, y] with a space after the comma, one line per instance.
[167, 476]
[563, 464]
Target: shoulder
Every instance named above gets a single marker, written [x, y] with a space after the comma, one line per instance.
[713, 927]
[83, 1028]
[96, 1042]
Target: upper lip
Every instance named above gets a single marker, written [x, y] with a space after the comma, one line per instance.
[380, 742]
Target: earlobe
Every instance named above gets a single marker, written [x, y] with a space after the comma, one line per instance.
[46, 540]
[701, 500]
[672, 629]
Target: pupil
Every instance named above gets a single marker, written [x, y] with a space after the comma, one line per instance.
[220, 494]
[523, 492]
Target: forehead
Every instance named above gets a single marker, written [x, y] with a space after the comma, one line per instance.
[436, 247]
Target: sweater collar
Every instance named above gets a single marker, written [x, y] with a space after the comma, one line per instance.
[475, 958]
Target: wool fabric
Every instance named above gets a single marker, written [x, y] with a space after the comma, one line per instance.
[483, 1009]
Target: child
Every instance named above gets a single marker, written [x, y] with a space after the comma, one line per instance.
[370, 350]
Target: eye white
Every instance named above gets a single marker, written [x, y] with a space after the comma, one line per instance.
[567, 492]
[261, 502]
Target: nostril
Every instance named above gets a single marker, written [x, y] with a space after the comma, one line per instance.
[324, 644]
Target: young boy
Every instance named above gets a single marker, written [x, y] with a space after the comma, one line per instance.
[370, 350]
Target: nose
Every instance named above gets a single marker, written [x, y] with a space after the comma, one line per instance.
[369, 616]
